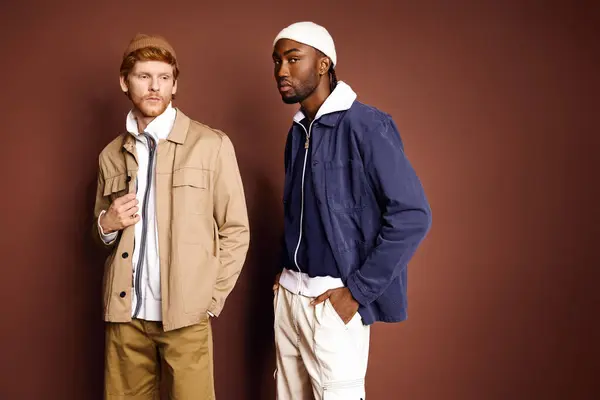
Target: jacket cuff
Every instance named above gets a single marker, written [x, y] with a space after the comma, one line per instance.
[354, 288]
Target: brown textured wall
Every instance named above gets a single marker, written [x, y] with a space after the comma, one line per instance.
[494, 101]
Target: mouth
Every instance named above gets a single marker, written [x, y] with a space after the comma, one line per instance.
[284, 88]
[153, 99]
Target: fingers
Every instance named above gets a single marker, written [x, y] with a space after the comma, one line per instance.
[121, 213]
[321, 298]
[123, 204]
[131, 212]
[127, 214]
[127, 206]
[132, 220]
[123, 199]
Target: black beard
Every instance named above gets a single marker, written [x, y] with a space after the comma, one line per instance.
[299, 96]
[292, 99]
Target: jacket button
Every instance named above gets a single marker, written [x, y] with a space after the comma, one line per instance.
[125, 255]
[122, 294]
[128, 178]
[315, 163]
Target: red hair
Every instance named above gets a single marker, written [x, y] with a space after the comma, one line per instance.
[148, 54]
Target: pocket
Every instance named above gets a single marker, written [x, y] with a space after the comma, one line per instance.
[115, 187]
[197, 272]
[191, 191]
[343, 352]
[346, 186]
[334, 314]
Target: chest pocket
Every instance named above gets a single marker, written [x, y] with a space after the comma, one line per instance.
[115, 187]
[346, 186]
[191, 192]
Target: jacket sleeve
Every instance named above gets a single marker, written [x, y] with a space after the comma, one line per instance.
[101, 204]
[231, 216]
[406, 215]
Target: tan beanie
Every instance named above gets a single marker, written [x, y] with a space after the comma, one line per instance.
[142, 40]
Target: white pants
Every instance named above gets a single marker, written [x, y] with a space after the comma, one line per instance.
[318, 356]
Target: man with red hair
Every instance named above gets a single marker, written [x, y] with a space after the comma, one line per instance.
[171, 209]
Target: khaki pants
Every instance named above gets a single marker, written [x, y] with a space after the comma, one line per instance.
[318, 356]
[135, 350]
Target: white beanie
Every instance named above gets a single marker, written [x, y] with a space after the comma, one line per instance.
[312, 35]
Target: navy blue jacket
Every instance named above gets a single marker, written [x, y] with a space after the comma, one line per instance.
[371, 203]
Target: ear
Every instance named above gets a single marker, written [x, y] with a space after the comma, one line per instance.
[123, 82]
[324, 65]
[174, 90]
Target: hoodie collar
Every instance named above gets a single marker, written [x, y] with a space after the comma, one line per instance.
[340, 99]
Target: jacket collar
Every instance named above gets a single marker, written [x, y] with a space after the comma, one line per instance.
[180, 128]
[341, 99]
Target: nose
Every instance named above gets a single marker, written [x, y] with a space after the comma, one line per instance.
[154, 85]
[282, 70]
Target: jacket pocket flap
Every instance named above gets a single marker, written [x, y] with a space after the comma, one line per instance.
[189, 177]
[115, 184]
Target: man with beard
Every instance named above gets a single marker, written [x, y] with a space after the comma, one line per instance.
[354, 214]
[170, 206]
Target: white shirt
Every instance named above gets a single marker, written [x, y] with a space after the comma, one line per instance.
[159, 128]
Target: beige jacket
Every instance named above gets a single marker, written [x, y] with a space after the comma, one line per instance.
[203, 231]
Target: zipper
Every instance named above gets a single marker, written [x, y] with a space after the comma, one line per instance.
[140, 266]
[306, 149]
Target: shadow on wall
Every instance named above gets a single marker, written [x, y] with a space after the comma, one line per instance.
[265, 211]
[105, 123]
[263, 263]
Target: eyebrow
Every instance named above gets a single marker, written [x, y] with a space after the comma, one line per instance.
[149, 73]
[285, 53]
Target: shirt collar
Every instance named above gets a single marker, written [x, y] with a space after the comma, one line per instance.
[159, 128]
